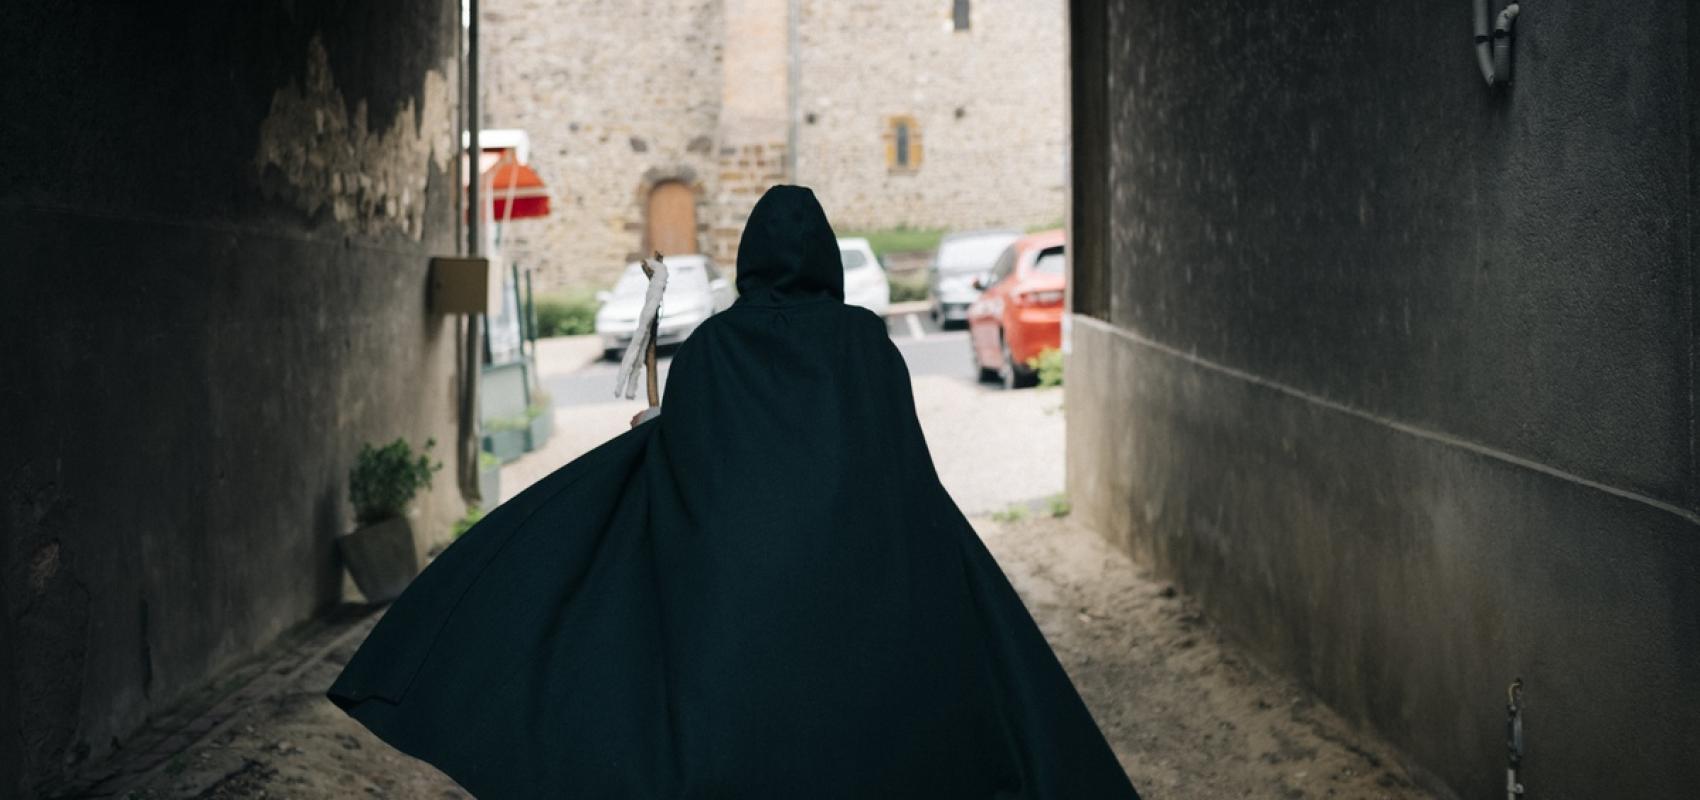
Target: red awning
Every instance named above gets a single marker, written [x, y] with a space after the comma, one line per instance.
[516, 192]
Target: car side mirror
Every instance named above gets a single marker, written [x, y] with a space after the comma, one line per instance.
[979, 284]
[604, 296]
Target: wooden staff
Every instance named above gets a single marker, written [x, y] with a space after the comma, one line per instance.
[654, 384]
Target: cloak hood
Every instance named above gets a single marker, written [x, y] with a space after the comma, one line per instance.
[788, 249]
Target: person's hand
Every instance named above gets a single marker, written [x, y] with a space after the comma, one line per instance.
[645, 415]
[637, 419]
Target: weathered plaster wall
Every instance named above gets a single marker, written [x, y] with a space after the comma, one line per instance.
[1396, 373]
[217, 220]
[616, 97]
[989, 102]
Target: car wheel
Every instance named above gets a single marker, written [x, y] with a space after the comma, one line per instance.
[1011, 374]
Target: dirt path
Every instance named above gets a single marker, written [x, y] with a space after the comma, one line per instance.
[1188, 716]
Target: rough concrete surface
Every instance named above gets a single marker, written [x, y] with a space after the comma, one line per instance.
[1396, 372]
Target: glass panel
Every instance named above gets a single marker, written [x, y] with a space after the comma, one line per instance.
[1051, 262]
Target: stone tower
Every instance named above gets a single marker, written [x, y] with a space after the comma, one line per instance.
[754, 114]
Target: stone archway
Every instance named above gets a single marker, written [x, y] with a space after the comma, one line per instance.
[670, 219]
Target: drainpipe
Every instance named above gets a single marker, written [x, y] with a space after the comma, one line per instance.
[1493, 52]
[472, 349]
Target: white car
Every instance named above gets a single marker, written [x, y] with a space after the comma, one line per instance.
[865, 283]
[695, 291]
[962, 259]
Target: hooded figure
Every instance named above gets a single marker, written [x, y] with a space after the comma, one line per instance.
[763, 593]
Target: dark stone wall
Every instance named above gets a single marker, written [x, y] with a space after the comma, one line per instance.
[217, 219]
[1397, 373]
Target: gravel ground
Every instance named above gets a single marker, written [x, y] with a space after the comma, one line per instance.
[1188, 715]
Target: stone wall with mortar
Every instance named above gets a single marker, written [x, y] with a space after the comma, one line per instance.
[616, 96]
[989, 102]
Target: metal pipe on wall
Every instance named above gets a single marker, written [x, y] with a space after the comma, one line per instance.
[472, 350]
[1493, 49]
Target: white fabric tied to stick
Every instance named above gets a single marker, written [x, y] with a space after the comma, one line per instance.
[643, 339]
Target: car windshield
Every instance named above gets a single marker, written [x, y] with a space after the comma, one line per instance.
[853, 258]
[972, 253]
[682, 275]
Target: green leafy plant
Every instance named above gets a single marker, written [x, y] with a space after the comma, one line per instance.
[385, 479]
[520, 422]
[470, 518]
[1049, 364]
[565, 314]
[488, 461]
[1059, 505]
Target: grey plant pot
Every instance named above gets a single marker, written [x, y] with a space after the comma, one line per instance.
[505, 445]
[490, 487]
[538, 431]
[381, 557]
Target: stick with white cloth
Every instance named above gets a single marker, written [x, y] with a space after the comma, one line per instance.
[643, 340]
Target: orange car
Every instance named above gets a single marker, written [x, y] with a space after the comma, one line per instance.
[1020, 310]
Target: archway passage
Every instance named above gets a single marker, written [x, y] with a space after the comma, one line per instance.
[671, 220]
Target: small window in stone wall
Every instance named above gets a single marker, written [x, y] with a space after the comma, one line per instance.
[902, 144]
[959, 14]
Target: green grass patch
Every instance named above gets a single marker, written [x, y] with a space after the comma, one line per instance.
[901, 239]
[1016, 512]
[909, 287]
[1046, 226]
[1058, 505]
[566, 314]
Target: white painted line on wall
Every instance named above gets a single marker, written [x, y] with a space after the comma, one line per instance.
[1403, 427]
[915, 327]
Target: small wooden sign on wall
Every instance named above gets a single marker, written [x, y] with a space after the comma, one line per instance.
[460, 285]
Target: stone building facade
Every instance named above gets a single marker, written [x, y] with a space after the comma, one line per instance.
[628, 103]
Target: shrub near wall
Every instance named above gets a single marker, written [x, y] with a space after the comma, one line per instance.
[566, 314]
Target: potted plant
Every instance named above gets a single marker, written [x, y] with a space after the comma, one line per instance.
[540, 423]
[380, 554]
[505, 437]
[489, 479]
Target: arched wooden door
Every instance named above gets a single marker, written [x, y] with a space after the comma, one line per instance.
[672, 220]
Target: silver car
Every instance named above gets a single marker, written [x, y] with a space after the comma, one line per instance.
[961, 259]
[695, 291]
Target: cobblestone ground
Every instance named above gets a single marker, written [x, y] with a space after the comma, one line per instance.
[1189, 716]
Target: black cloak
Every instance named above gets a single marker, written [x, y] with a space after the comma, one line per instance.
[763, 593]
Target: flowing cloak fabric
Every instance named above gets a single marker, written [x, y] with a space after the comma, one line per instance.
[764, 593]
